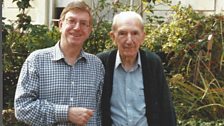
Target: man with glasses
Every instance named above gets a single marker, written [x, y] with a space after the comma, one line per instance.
[62, 85]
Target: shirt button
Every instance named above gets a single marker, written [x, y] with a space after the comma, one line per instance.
[71, 99]
[73, 82]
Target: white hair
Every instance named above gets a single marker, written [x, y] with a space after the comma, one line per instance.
[126, 14]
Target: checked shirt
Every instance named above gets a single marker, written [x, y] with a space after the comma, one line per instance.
[48, 86]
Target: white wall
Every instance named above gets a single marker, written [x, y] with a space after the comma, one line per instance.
[10, 10]
[220, 6]
[42, 11]
[63, 3]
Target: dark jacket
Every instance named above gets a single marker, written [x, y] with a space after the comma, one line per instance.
[159, 107]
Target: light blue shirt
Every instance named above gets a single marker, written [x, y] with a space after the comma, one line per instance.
[127, 102]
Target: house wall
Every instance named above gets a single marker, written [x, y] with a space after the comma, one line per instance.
[44, 11]
[10, 10]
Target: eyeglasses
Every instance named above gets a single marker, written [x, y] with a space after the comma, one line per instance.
[73, 23]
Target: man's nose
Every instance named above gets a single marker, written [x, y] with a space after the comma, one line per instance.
[129, 38]
[76, 26]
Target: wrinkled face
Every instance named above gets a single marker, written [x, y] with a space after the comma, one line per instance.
[75, 28]
[128, 36]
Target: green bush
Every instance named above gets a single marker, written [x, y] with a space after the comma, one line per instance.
[193, 46]
[99, 39]
[200, 122]
[9, 118]
[16, 48]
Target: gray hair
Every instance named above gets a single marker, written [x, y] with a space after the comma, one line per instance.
[126, 14]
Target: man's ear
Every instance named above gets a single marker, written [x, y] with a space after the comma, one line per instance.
[60, 22]
[112, 36]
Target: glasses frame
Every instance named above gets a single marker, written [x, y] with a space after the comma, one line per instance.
[74, 22]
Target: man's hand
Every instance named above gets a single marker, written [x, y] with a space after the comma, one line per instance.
[79, 116]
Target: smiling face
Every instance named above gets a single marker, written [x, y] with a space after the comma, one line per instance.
[128, 35]
[75, 28]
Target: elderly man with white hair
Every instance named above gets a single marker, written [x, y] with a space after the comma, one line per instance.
[135, 91]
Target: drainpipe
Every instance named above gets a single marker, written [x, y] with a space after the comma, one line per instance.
[51, 12]
[46, 21]
[131, 4]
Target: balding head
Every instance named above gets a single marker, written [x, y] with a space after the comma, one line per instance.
[127, 15]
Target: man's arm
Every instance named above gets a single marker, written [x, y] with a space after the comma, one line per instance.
[28, 107]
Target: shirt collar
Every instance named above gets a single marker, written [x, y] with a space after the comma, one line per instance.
[118, 60]
[57, 54]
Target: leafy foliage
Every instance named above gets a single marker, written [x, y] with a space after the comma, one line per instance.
[23, 20]
[16, 48]
[9, 118]
[99, 39]
[193, 45]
